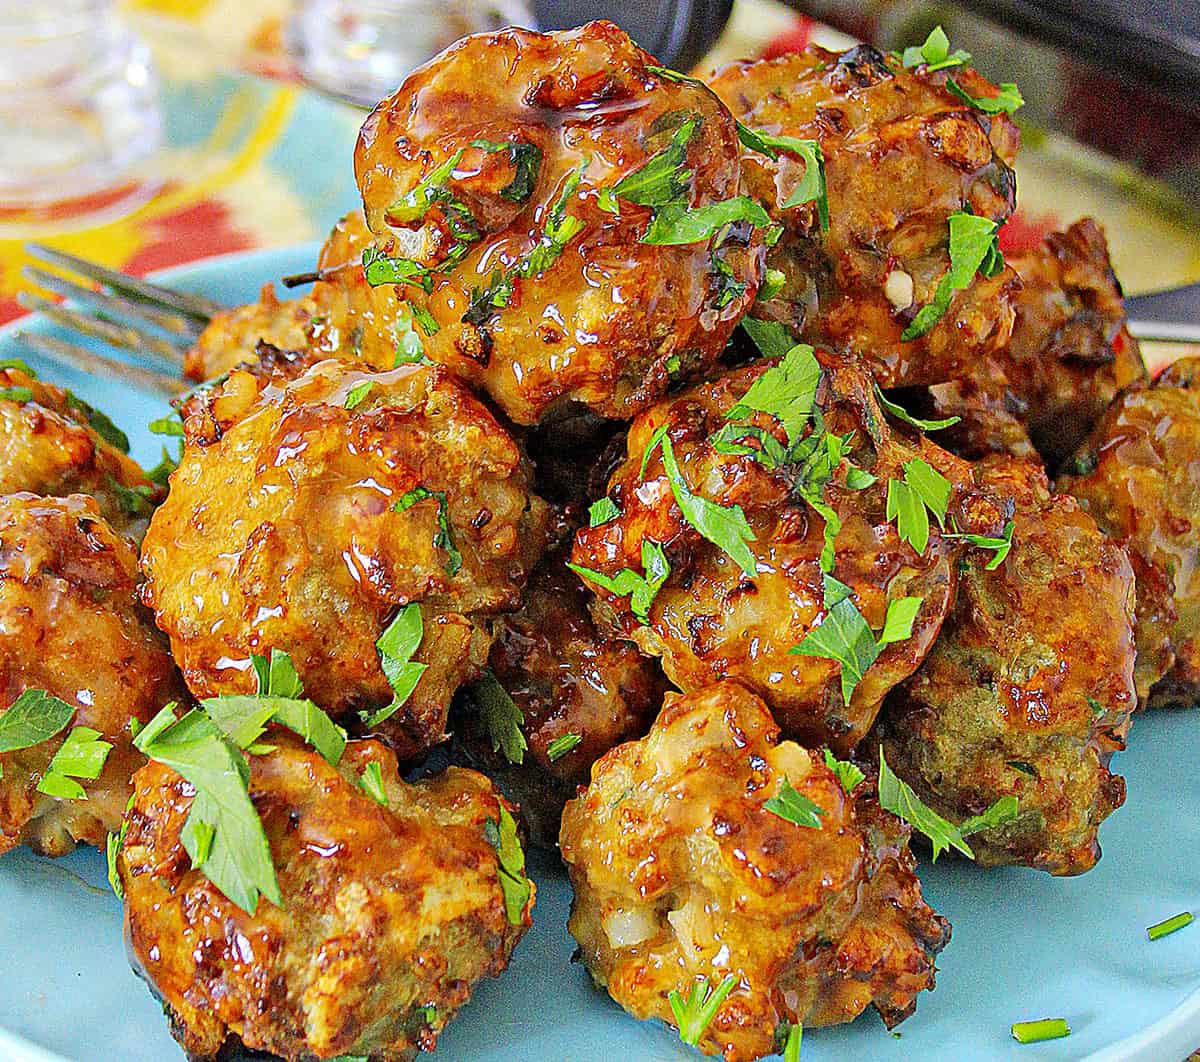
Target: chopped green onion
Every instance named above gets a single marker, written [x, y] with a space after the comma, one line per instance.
[1034, 1032]
[561, 745]
[1169, 925]
[694, 1014]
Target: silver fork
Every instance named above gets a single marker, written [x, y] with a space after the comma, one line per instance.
[160, 323]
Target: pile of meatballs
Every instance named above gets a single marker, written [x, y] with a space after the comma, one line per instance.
[621, 387]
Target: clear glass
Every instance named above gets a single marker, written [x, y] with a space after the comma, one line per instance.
[361, 50]
[78, 102]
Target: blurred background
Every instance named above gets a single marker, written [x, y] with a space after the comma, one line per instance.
[150, 133]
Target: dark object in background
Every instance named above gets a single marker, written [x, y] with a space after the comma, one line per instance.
[678, 32]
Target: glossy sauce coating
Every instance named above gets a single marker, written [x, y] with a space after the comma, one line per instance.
[48, 446]
[390, 914]
[1138, 475]
[1029, 689]
[901, 155]
[680, 872]
[711, 621]
[71, 624]
[280, 533]
[609, 319]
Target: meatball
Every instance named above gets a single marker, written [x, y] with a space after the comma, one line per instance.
[682, 872]
[1138, 475]
[526, 190]
[53, 443]
[305, 512]
[1030, 687]
[579, 694]
[391, 912]
[991, 418]
[71, 625]
[715, 616]
[901, 155]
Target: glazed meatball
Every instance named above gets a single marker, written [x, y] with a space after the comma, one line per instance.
[901, 155]
[579, 695]
[53, 443]
[390, 915]
[1138, 475]
[71, 625]
[492, 181]
[681, 871]
[1070, 351]
[305, 514]
[716, 617]
[1029, 689]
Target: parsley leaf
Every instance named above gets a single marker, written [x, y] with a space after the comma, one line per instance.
[561, 745]
[674, 225]
[396, 646]
[514, 884]
[974, 248]
[424, 318]
[902, 414]
[371, 783]
[35, 716]
[794, 807]
[81, 755]
[772, 338]
[725, 526]
[16, 394]
[694, 1014]
[358, 394]
[168, 425]
[601, 511]
[848, 774]
[923, 490]
[812, 185]
[785, 391]
[1006, 101]
[99, 422]
[663, 178]
[1001, 545]
[1003, 810]
[409, 348]
[112, 848]
[935, 53]
[380, 268]
[415, 203]
[134, 501]
[772, 285]
[526, 160]
[223, 834]
[161, 473]
[502, 716]
[641, 589]
[897, 797]
[444, 539]
[20, 365]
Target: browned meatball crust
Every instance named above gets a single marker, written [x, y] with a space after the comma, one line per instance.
[1029, 689]
[901, 155]
[1138, 475]
[292, 525]
[71, 624]
[712, 620]
[390, 913]
[680, 872]
[569, 683]
[536, 128]
[49, 445]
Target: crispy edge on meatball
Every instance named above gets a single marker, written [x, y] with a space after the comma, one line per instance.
[541, 284]
[1029, 689]
[576, 690]
[1138, 475]
[71, 625]
[681, 872]
[49, 445]
[710, 620]
[390, 914]
[293, 524]
[901, 154]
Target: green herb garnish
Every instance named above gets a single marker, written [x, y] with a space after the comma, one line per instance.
[358, 394]
[902, 414]
[396, 647]
[794, 807]
[561, 745]
[677, 225]
[502, 716]
[526, 160]
[601, 511]
[848, 774]
[811, 188]
[935, 53]
[16, 394]
[923, 490]
[1000, 546]
[99, 422]
[81, 755]
[772, 338]
[1169, 925]
[444, 539]
[371, 783]
[694, 1014]
[663, 179]
[786, 391]
[35, 716]
[511, 858]
[1007, 101]
[1034, 1032]
[896, 796]
[1005, 809]
[974, 248]
[641, 589]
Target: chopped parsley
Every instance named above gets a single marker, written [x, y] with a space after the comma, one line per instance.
[1034, 1032]
[1169, 925]
[1000, 546]
[412, 207]
[678, 224]
[112, 848]
[848, 774]
[371, 783]
[169, 425]
[845, 637]
[1005, 809]
[794, 807]
[396, 646]
[693, 1014]
[811, 188]
[772, 338]
[772, 285]
[35, 716]
[663, 179]
[20, 365]
[137, 500]
[526, 161]
[974, 248]
[786, 391]
[409, 348]
[380, 268]
[641, 589]
[935, 53]
[502, 716]
[358, 394]
[444, 539]
[81, 755]
[561, 745]
[99, 422]
[601, 511]
[423, 318]
[515, 886]
[16, 394]
[1007, 101]
[922, 491]
[161, 473]
[902, 414]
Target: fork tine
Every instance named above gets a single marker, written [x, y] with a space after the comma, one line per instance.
[76, 357]
[183, 330]
[196, 306]
[111, 332]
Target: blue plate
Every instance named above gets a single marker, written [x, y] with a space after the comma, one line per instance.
[1025, 945]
